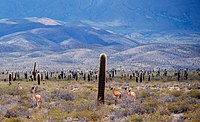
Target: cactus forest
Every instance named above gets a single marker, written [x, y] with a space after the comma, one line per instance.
[100, 95]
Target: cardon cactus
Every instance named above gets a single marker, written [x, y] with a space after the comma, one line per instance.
[9, 79]
[141, 77]
[102, 79]
[34, 72]
[38, 79]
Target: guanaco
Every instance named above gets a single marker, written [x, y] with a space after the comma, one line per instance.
[36, 97]
[117, 94]
[130, 93]
[19, 86]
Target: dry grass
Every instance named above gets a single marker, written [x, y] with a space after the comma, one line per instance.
[76, 101]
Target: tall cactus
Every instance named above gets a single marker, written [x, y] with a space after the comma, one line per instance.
[141, 77]
[9, 79]
[149, 77]
[12, 76]
[178, 75]
[38, 79]
[34, 72]
[102, 79]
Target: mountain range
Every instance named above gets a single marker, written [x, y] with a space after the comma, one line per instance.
[56, 44]
[135, 34]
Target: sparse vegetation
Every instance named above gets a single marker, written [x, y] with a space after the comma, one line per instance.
[194, 93]
[70, 100]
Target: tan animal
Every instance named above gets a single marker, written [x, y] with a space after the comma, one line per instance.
[117, 94]
[36, 97]
[19, 86]
[131, 94]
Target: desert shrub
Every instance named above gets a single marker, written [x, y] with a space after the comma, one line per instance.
[3, 109]
[144, 94]
[18, 111]
[137, 109]
[88, 115]
[67, 106]
[82, 105]
[84, 95]
[162, 110]
[192, 116]
[148, 109]
[56, 114]
[156, 117]
[194, 120]
[89, 87]
[130, 107]
[129, 102]
[178, 107]
[194, 94]
[55, 94]
[11, 113]
[110, 99]
[177, 93]
[23, 99]
[151, 102]
[192, 101]
[58, 94]
[194, 86]
[11, 90]
[169, 98]
[66, 96]
[148, 106]
[23, 96]
[120, 113]
[135, 118]
[14, 119]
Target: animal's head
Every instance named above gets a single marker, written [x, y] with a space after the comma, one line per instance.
[33, 88]
[126, 88]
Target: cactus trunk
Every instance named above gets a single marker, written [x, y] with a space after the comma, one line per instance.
[102, 79]
[34, 72]
[9, 79]
[38, 79]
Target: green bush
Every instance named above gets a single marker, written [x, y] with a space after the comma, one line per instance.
[15, 119]
[151, 102]
[178, 107]
[193, 116]
[144, 94]
[135, 118]
[86, 115]
[56, 114]
[194, 94]
[177, 93]
[10, 90]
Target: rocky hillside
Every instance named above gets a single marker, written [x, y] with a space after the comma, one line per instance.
[57, 44]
